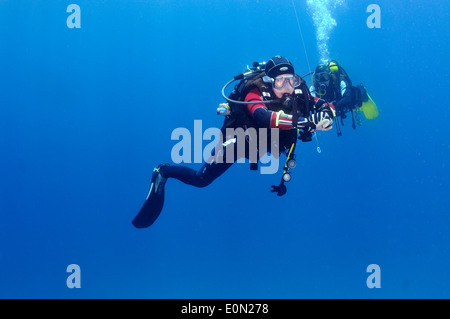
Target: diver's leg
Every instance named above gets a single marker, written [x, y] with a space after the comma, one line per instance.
[154, 202]
[201, 178]
[215, 166]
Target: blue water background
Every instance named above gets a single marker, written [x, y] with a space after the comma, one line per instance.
[85, 115]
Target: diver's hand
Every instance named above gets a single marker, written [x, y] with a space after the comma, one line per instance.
[324, 125]
[317, 117]
[321, 120]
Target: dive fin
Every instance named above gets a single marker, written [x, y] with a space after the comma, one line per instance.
[369, 108]
[154, 202]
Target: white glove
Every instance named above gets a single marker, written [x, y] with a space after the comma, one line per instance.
[318, 117]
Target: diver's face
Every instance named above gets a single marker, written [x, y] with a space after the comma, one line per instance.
[287, 88]
[334, 76]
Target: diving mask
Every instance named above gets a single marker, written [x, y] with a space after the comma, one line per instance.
[322, 77]
[280, 82]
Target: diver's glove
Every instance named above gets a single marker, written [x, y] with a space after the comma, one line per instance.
[318, 117]
[321, 120]
[322, 106]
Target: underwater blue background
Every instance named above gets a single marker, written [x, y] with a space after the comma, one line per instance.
[85, 115]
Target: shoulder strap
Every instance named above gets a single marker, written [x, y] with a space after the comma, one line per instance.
[257, 82]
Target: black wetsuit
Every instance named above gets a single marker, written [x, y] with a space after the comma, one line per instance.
[213, 169]
[201, 178]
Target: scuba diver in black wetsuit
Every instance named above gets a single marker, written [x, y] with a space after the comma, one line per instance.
[332, 83]
[268, 96]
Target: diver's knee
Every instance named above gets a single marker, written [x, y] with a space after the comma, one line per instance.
[202, 182]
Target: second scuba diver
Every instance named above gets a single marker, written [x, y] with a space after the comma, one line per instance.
[332, 83]
[269, 96]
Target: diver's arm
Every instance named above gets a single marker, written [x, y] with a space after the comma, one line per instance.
[271, 119]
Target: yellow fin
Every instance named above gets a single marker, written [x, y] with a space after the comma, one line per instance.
[369, 109]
